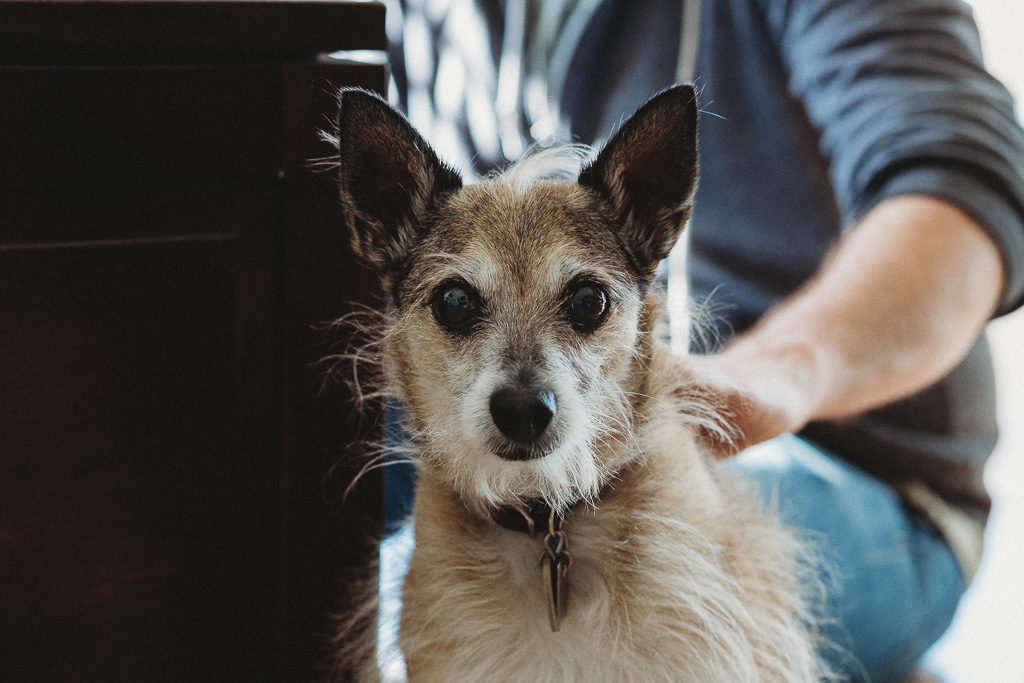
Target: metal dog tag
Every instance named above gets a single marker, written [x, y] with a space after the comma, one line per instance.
[553, 574]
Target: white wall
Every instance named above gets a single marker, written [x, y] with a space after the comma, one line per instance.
[986, 642]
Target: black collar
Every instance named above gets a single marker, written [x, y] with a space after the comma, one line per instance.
[528, 517]
[533, 515]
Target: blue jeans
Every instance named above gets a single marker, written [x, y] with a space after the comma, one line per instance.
[891, 582]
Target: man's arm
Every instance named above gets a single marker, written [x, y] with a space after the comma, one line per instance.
[927, 163]
[895, 307]
[904, 106]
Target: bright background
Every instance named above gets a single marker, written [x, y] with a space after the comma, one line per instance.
[986, 641]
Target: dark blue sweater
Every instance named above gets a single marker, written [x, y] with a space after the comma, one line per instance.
[817, 110]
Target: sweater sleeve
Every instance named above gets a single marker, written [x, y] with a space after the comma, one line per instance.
[904, 105]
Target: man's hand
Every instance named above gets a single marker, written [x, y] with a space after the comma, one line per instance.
[895, 307]
[759, 400]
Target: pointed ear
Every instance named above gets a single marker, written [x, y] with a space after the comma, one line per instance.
[389, 179]
[648, 172]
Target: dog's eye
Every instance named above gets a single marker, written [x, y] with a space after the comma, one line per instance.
[456, 306]
[587, 305]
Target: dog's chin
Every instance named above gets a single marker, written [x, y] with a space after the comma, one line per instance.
[559, 472]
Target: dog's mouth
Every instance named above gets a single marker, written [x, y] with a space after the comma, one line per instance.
[509, 450]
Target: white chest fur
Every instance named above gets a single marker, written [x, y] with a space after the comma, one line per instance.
[674, 578]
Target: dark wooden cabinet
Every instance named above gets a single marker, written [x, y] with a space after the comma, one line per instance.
[170, 467]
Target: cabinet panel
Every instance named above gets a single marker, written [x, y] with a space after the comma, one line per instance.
[99, 153]
[169, 468]
[139, 527]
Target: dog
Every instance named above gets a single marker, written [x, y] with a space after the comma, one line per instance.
[569, 524]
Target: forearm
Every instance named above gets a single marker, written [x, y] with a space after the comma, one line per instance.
[895, 307]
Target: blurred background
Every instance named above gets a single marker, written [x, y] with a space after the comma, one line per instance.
[985, 643]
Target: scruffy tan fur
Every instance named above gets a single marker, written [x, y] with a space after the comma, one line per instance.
[677, 575]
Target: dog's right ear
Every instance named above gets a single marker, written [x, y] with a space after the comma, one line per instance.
[389, 179]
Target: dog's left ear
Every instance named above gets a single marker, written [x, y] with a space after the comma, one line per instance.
[648, 172]
[389, 180]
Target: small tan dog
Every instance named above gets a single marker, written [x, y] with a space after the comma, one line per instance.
[568, 525]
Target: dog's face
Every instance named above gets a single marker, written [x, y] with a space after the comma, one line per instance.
[518, 337]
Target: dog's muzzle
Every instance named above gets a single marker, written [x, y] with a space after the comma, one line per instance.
[522, 414]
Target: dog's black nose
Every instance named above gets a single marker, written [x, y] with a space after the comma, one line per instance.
[522, 414]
